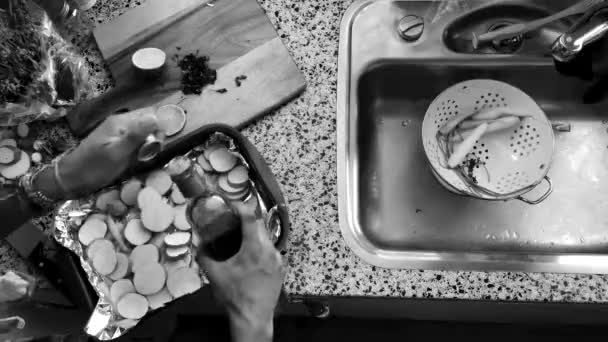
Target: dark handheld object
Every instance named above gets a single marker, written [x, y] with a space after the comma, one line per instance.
[215, 220]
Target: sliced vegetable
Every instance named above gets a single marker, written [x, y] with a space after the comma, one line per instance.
[9, 155]
[455, 121]
[176, 263]
[159, 180]
[149, 279]
[177, 239]
[120, 288]
[117, 208]
[461, 150]
[211, 148]
[196, 239]
[23, 130]
[180, 221]
[105, 198]
[183, 281]
[222, 160]
[104, 261]
[92, 229]
[149, 59]
[496, 125]
[122, 267]
[132, 306]
[171, 119]
[157, 218]
[158, 240]
[177, 252]
[98, 245]
[129, 191]
[36, 158]
[204, 163]
[176, 196]
[17, 169]
[495, 113]
[136, 234]
[159, 299]
[9, 142]
[238, 177]
[148, 196]
[222, 182]
[143, 255]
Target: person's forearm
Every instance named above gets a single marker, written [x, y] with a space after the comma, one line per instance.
[250, 330]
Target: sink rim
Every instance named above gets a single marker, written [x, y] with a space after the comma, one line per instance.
[589, 263]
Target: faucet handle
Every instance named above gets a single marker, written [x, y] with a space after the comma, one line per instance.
[592, 26]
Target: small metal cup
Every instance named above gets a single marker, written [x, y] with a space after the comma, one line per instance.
[151, 147]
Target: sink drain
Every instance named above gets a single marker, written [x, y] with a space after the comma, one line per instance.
[509, 45]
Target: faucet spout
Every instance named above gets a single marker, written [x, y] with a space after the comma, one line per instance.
[588, 29]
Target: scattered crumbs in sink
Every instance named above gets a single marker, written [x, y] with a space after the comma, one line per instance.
[222, 91]
[418, 211]
[239, 79]
[178, 48]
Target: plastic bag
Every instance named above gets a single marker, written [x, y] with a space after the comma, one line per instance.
[40, 73]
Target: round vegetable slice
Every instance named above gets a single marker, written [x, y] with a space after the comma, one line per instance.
[36, 158]
[238, 177]
[23, 130]
[133, 306]
[171, 119]
[222, 160]
[117, 208]
[150, 279]
[157, 218]
[158, 240]
[104, 261]
[204, 163]
[120, 288]
[177, 239]
[122, 267]
[239, 196]
[176, 195]
[180, 221]
[92, 229]
[98, 245]
[159, 180]
[222, 182]
[183, 281]
[177, 263]
[106, 198]
[143, 255]
[129, 191]
[149, 59]
[177, 252]
[9, 155]
[159, 299]
[148, 196]
[136, 234]
[18, 169]
[8, 142]
[212, 148]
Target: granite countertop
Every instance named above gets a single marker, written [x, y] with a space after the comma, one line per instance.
[299, 143]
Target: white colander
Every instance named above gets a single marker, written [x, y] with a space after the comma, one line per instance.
[507, 163]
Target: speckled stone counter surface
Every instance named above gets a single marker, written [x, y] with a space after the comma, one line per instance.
[299, 143]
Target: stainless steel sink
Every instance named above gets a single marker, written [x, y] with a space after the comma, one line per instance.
[394, 214]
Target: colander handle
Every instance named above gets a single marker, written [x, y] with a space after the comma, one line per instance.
[541, 198]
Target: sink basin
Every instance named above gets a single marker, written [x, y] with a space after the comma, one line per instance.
[393, 212]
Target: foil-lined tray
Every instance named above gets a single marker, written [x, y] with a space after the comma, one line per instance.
[105, 323]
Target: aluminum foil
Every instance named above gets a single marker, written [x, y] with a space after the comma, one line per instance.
[105, 323]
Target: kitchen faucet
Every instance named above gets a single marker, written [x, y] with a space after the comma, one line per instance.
[591, 27]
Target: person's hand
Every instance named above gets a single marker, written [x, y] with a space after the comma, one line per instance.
[106, 153]
[249, 283]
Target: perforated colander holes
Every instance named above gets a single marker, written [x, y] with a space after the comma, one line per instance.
[480, 152]
[444, 111]
[513, 182]
[524, 140]
[490, 100]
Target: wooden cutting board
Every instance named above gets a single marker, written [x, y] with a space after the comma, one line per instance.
[235, 34]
